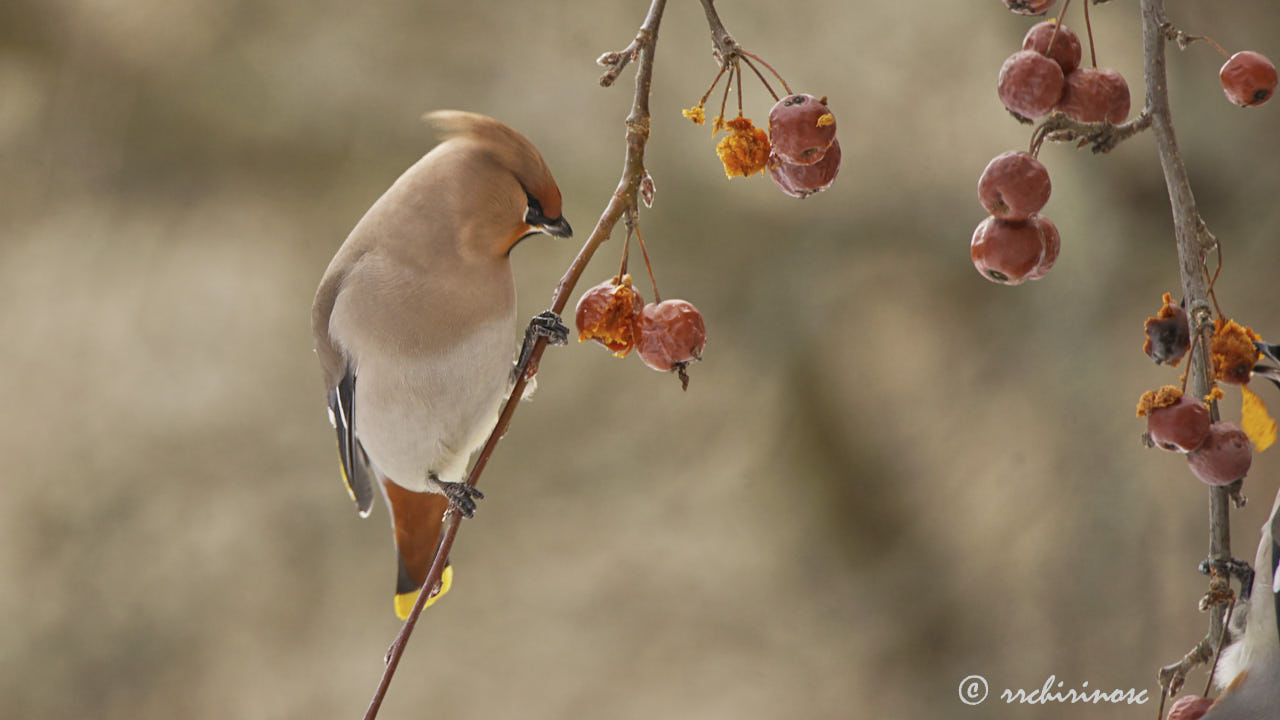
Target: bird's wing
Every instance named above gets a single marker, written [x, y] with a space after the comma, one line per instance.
[340, 378]
[355, 463]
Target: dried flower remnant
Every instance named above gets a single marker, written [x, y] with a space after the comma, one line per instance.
[745, 150]
[1155, 399]
[696, 115]
[1168, 334]
[607, 314]
[1233, 352]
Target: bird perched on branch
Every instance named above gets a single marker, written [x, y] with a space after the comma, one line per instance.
[414, 325]
[1249, 669]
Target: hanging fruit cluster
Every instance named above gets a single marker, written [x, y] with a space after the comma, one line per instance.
[1218, 453]
[666, 334]
[800, 151]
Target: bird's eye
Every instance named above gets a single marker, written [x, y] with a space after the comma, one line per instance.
[533, 215]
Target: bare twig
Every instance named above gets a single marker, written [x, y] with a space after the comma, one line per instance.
[1103, 136]
[624, 199]
[1191, 244]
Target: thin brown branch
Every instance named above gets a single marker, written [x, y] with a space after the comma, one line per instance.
[624, 199]
[1103, 136]
[1190, 237]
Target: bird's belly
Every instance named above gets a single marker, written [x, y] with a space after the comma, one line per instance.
[427, 414]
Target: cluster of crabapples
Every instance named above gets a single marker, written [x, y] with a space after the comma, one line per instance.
[1218, 453]
[800, 150]
[666, 335]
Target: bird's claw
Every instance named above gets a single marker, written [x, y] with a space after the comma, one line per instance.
[547, 324]
[1238, 569]
[462, 497]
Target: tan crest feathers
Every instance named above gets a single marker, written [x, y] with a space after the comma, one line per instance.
[511, 149]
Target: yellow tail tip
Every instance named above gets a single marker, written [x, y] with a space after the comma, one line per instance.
[405, 601]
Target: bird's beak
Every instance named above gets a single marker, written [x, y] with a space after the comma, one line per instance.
[558, 228]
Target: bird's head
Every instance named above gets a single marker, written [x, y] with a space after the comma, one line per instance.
[529, 205]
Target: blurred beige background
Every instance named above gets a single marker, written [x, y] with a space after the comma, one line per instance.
[887, 474]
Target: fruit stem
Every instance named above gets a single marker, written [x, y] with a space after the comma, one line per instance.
[711, 89]
[759, 75]
[645, 251]
[1088, 28]
[1056, 27]
[626, 249]
[760, 60]
[739, 68]
[1221, 641]
[724, 101]
[1184, 40]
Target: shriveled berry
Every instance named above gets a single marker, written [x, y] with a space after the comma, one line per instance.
[1066, 49]
[1006, 251]
[801, 128]
[1029, 7]
[671, 333]
[1013, 186]
[1232, 351]
[607, 314]
[1094, 95]
[1189, 707]
[1248, 78]
[1224, 457]
[1030, 84]
[1168, 333]
[801, 181]
[1180, 427]
[1052, 246]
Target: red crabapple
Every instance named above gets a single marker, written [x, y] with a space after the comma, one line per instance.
[1248, 78]
[1052, 246]
[1006, 251]
[1013, 186]
[1030, 84]
[801, 181]
[1066, 50]
[1189, 707]
[607, 313]
[801, 128]
[1180, 427]
[1091, 95]
[1224, 457]
[671, 333]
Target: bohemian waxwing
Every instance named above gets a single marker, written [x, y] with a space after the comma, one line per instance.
[414, 325]
[1249, 669]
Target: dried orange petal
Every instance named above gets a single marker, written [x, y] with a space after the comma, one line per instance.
[1232, 351]
[745, 151]
[1154, 399]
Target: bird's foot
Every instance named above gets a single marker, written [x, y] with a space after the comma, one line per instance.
[1232, 568]
[462, 497]
[545, 324]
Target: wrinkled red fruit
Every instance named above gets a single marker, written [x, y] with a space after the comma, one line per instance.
[801, 181]
[1013, 186]
[1007, 251]
[671, 333]
[801, 128]
[1066, 50]
[1091, 95]
[1030, 84]
[1189, 707]
[1168, 338]
[1180, 427]
[1248, 78]
[607, 314]
[1224, 457]
[1029, 7]
[1052, 246]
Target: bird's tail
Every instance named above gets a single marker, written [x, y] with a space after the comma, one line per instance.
[417, 518]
